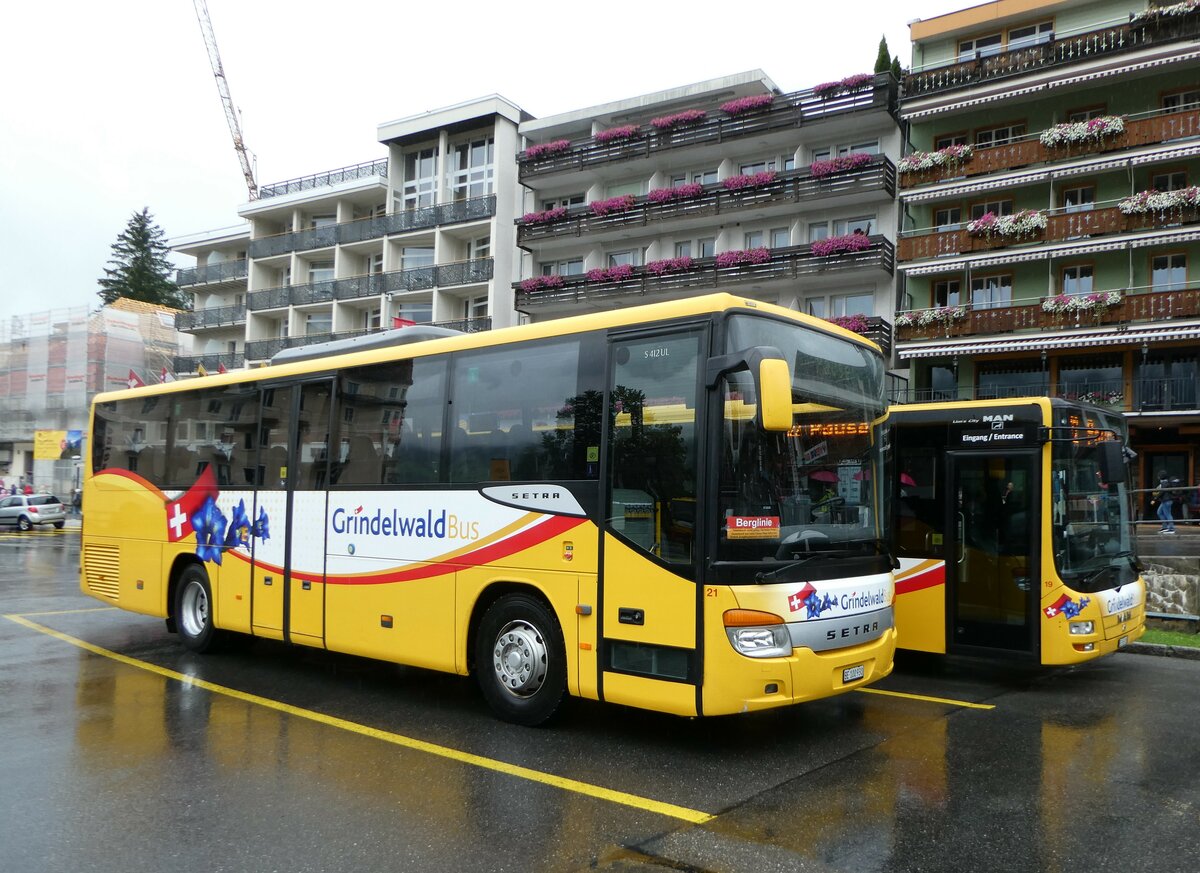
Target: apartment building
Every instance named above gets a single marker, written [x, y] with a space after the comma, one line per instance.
[1049, 232]
[424, 234]
[728, 184]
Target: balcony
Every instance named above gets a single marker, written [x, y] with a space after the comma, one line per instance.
[325, 180]
[788, 263]
[221, 316]
[211, 363]
[1061, 51]
[788, 112]
[264, 350]
[1160, 127]
[1149, 395]
[791, 187]
[376, 227]
[417, 279]
[1061, 225]
[227, 271]
[1137, 305]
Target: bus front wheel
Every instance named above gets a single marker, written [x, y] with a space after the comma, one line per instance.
[193, 610]
[520, 660]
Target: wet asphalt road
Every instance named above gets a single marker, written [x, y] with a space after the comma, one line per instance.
[297, 760]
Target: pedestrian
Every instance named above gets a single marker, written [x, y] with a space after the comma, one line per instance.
[1165, 499]
[28, 489]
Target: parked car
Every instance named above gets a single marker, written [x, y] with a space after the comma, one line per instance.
[26, 510]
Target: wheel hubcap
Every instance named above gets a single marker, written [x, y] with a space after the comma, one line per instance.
[519, 658]
[194, 615]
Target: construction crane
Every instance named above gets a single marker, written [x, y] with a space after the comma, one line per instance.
[214, 58]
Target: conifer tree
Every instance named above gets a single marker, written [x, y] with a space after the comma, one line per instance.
[883, 60]
[139, 268]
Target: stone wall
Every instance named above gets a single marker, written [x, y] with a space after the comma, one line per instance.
[1172, 585]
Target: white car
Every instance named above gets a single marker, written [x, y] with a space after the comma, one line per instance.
[27, 510]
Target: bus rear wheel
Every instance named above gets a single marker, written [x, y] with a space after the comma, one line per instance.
[193, 610]
[520, 660]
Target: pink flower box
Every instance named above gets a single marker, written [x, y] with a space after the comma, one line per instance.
[669, 265]
[679, 119]
[752, 180]
[744, 256]
[628, 131]
[679, 192]
[548, 215]
[852, 161]
[610, 274]
[612, 205]
[747, 104]
[547, 148]
[537, 283]
[834, 245]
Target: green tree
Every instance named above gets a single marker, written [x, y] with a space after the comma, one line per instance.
[883, 60]
[896, 72]
[139, 268]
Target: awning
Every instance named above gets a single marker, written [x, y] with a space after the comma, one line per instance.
[1113, 336]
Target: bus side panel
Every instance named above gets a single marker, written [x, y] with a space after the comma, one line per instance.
[921, 605]
[230, 584]
[128, 536]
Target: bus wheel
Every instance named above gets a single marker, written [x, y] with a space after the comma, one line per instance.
[520, 660]
[193, 610]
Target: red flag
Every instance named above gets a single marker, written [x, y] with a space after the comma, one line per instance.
[397, 321]
[167, 375]
[134, 380]
[221, 368]
[180, 512]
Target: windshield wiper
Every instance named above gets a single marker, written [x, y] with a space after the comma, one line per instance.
[770, 575]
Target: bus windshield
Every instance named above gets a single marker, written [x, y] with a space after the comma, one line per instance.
[1090, 518]
[815, 491]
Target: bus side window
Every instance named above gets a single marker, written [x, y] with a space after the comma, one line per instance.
[919, 502]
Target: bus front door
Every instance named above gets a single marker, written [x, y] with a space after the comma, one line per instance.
[991, 554]
[307, 486]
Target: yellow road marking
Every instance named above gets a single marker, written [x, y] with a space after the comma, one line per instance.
[946, 700]
[69, 611]
[584, 788]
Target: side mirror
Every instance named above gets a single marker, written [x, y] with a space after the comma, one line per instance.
[774, 395]
[1111, 457]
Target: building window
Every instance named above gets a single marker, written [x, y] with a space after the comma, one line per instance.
[472, 170]
[1077, 279]
[996, 207]
[947, 219]
[1030, 34]
[479, 249]
[476, 307]
[943, 383]
[320, 271]
[781, 238]
[625, 258]
[1081, 115]
[1008, 380]
[327, 220]
[818, 230]
[416, 311]
[816, 306]
[621, 189]
[683, 249]
[980, 47]
[371, 319]
[698, 177]
[994, 136]
[415, 257]
[949, 139]
[1079, 199]
[757, 167]
[753, 240]
[991, 292]
[868, 146]
[1168, 272]
[564, 202]
[1181, 100]
[843, 226]
[568, 267]
[1173, 181]
[707, 246]
[420, 178]
[316, 323]
[1090, 378]
[948, 292]
[822, 154]
[852, 304]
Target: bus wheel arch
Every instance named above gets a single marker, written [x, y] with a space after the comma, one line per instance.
[190, 600]
[519, 653]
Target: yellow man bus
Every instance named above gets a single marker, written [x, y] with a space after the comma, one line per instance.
[675, 507]
[1013, 530]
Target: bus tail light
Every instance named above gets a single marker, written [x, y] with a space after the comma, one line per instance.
[757, 634]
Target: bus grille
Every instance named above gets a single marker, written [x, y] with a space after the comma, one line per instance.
[102, 570]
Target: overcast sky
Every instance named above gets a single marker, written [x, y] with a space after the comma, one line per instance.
[109, 107]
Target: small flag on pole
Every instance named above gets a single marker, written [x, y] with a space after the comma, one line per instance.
[134, 380]
[397, 321]
[200, 370]
[167, 375]
[221, 368]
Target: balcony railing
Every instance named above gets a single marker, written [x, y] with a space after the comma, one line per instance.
[1149, 395]
[1060, 225]
[211, 363]
[1061, 51]
[417, 279]
[221, 316]
[1159, 128]
[788, 112]
[790, 187]
[227, 271]
[1137, 305]
[263, 350]
[326, 179]
[373, 228]
[784, 264]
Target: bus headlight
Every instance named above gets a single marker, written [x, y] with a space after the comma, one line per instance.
[757, 634]
[1083, 627]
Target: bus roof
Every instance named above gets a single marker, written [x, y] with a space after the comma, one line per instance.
[647, 314]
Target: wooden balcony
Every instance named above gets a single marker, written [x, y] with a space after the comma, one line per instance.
[791, 187]
[789, 111]
[1029, 152]
[1062, 51]
[1140, 305]
[1060, 226]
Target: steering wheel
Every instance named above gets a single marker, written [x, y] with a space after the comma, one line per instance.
[798, 544]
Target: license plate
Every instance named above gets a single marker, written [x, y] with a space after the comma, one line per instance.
[1122, 642]
[853, 674]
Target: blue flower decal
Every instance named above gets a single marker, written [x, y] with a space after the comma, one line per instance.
[816, 604]
[1071, 609]
[209, 525]
[260, 527]
[238, 533]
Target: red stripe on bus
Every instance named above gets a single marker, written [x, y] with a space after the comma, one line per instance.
[132, 477]
[931, 578]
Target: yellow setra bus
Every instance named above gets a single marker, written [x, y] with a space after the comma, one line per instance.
[676, 507]
[1013, 530]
